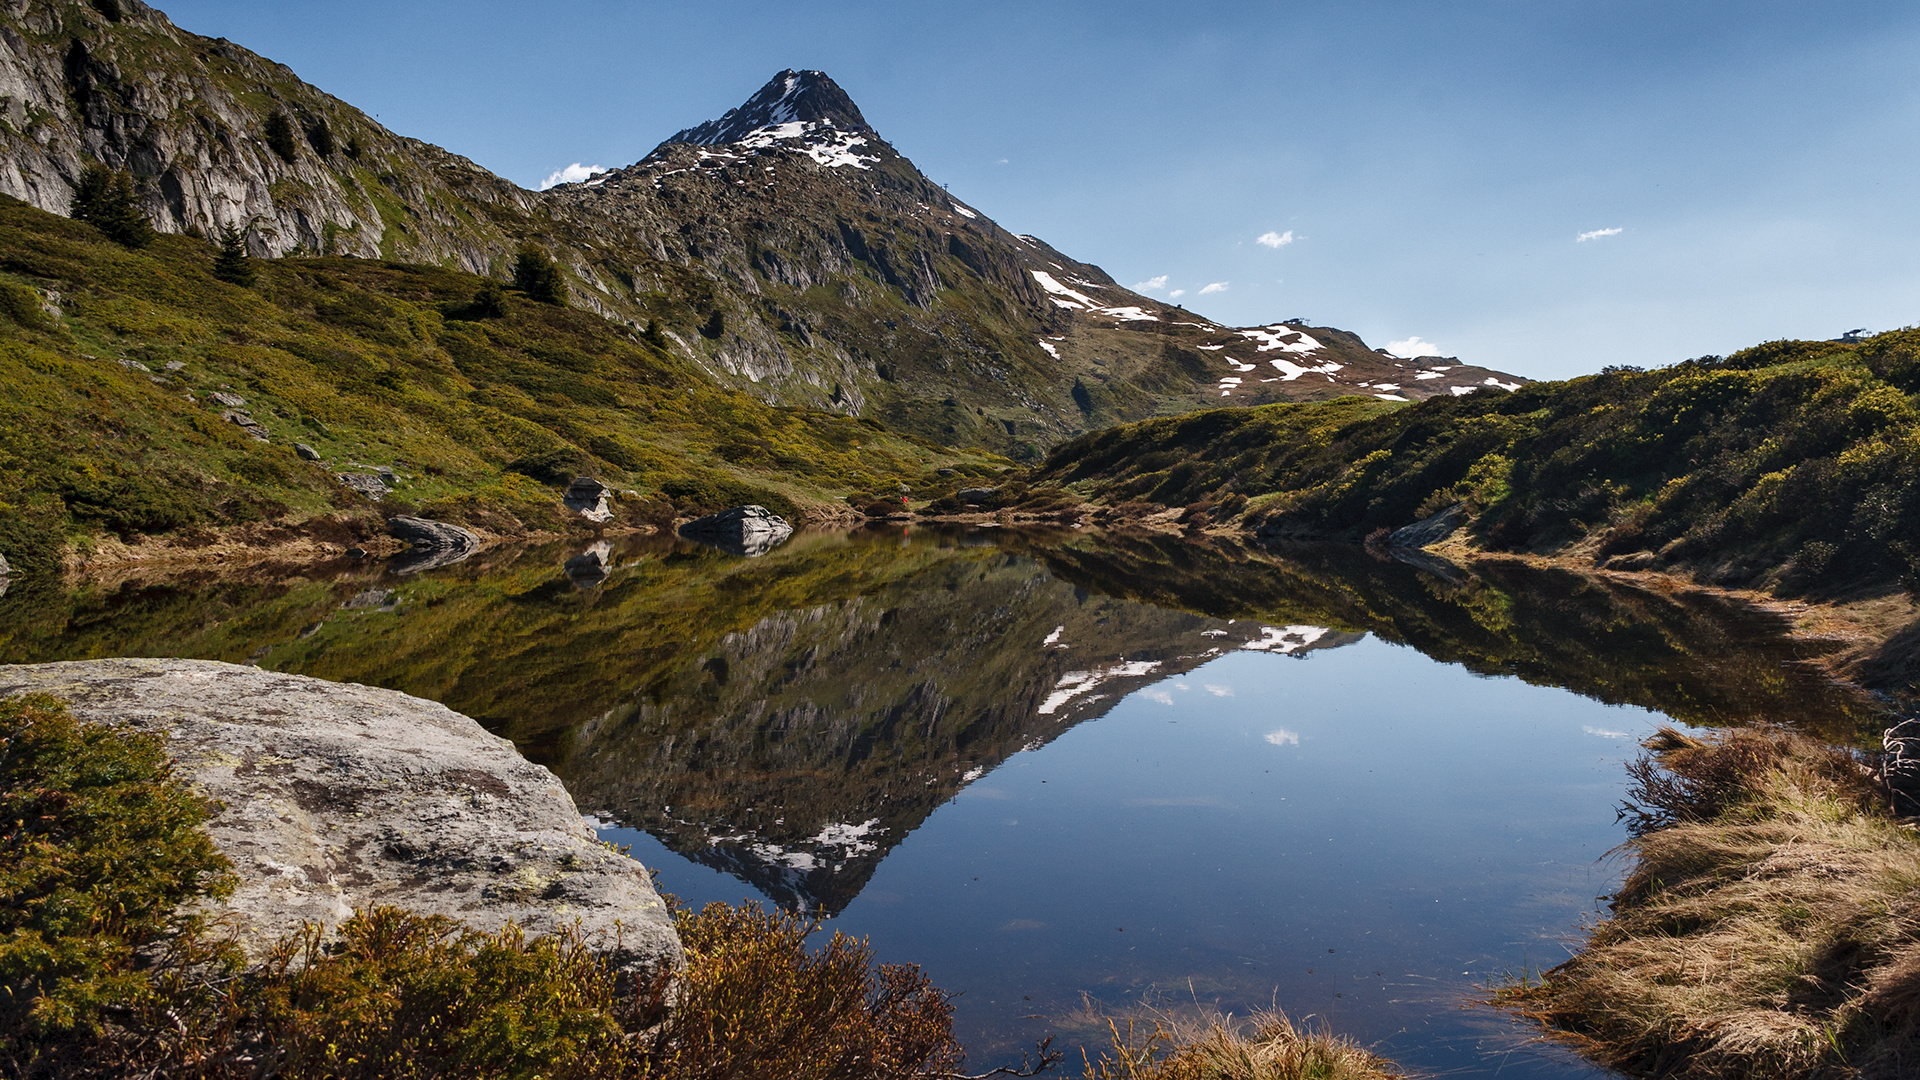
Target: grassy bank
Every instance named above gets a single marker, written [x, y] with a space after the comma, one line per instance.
[1769, 925]
[1791, 465]
[110, 426]
[1266, 1046]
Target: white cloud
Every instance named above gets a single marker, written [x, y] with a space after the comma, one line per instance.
[1219, 691]
[1160, 696]
[572, 174]
[1604, 732]
[1152, 284]
[1283, 737]
[1412, 347]
[1218, 286]
[1596, 234]
[1002, 161]
[1275, 240]
[1176, 294]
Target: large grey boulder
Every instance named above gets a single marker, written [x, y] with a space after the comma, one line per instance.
[340, 796]
[435, 543]
[744, 530]
[588, 498]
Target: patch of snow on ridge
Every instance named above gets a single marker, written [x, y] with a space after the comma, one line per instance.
[1462, 391]
[1286, 639]
[1051, 351]
[1273, 337]
[1290, 371]
[1491, 381]
[1075, 299]
[818, 139]
[963, 211]
[1054, 638]
[1075, 683]
[1049, 283]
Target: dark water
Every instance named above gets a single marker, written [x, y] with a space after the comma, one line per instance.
[1058, 770]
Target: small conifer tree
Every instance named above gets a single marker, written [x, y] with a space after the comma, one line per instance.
[535, 273]
[105, 200]
[233, 265]
[279, 132]
[320, 137]
[491, 301]
[655, 335]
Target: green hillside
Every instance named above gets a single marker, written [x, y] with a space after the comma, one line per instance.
[1792, 465]
[110, 358]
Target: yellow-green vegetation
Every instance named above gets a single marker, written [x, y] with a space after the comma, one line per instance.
[1266, 1046]
[1769, 925]
[1792, 464]
[110, 357]
[108, 975]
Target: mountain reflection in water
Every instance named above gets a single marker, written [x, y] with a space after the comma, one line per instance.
[791, 719]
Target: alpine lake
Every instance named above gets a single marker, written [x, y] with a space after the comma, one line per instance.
[1072, 775]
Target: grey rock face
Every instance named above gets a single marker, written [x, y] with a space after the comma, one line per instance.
[138, 93]
[231, 401]
[744, 530]
[342, 796]
[368, 484]
[5, 570]
[1430, 530]
[307, 453]
[588, 498]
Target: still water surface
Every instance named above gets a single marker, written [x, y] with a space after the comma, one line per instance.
[1058, 771]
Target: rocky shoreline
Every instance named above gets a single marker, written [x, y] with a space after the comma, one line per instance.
[337, 797]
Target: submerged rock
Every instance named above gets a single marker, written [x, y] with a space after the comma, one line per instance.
[744, 530]
[340, 796]
[588, 498]
[1430, 530]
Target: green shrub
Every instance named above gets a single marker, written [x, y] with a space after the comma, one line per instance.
[22, 305]
[706, 494]
[559, 466]
[100, 852]
[320, 136]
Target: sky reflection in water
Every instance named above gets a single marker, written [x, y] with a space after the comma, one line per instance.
[1360, 834]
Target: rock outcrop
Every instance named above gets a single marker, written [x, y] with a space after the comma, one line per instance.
[434, 543]
[1430, 530]
[587, 497]
[340, 796]
[744, 530]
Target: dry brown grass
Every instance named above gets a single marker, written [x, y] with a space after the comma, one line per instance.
[1769, 927]
[1216, 1046]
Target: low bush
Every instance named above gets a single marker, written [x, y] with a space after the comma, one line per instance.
[110, 973]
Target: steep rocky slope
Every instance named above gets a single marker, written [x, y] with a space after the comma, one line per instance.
[785, 248]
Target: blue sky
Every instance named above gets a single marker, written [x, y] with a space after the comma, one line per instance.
[1430, 166]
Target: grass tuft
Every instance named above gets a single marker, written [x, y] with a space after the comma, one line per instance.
[1218, 1046]
[1768, 926]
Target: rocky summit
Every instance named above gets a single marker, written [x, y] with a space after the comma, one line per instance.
[785, 249]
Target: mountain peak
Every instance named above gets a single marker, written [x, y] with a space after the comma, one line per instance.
[791, 97]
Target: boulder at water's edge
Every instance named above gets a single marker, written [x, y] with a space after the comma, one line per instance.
[340, 796]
